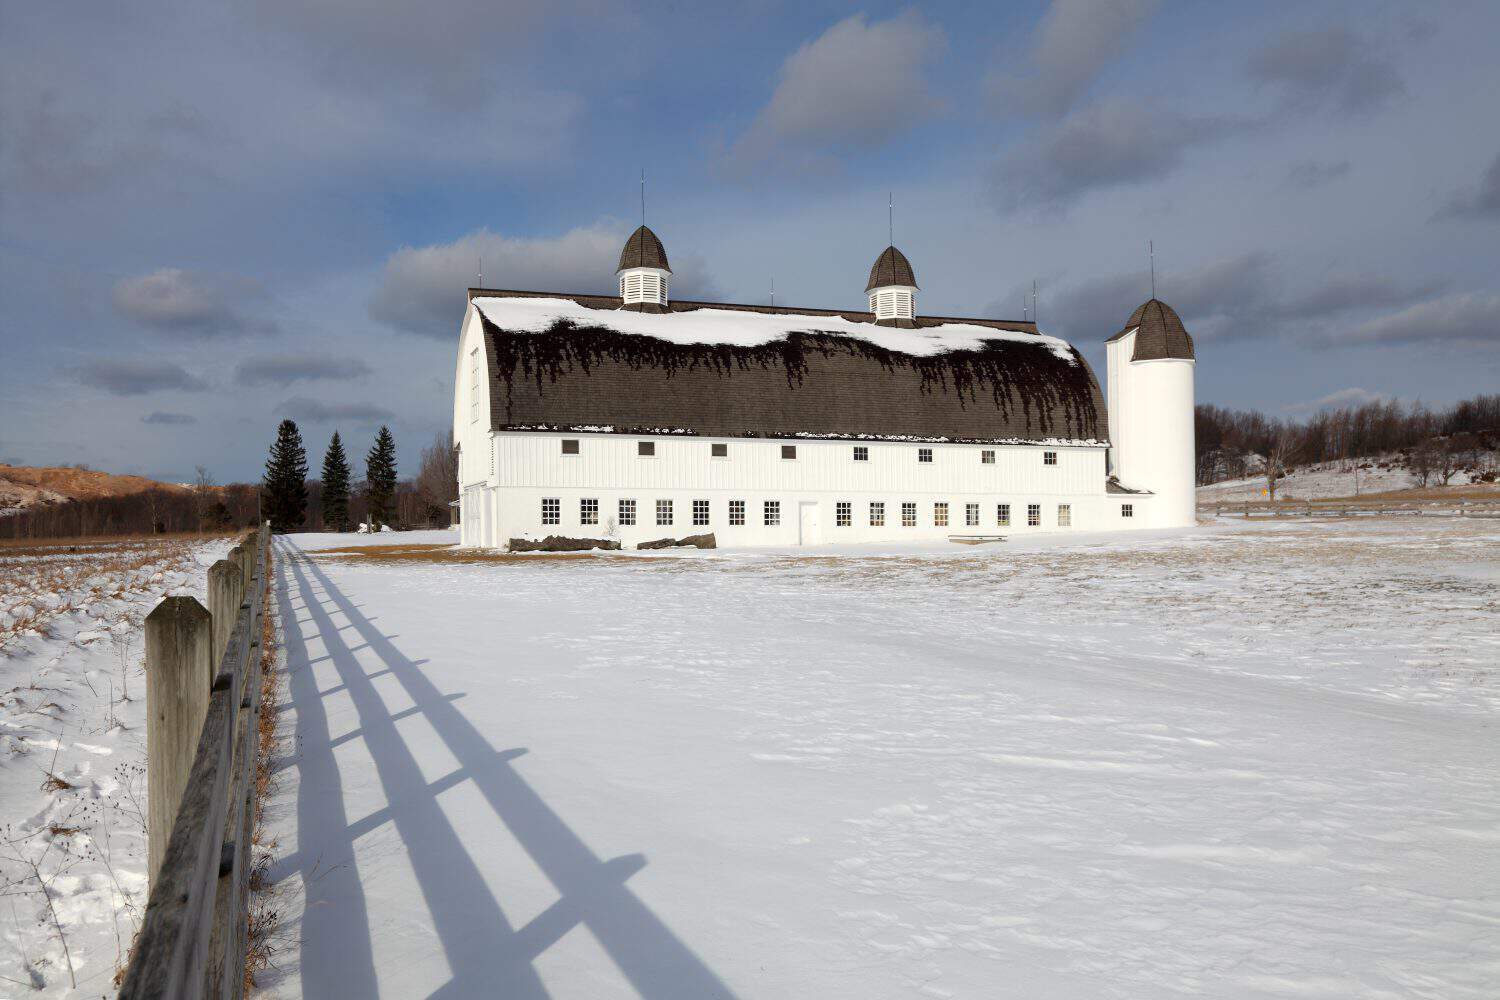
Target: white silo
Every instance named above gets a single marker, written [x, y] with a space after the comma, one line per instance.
[1150, 369]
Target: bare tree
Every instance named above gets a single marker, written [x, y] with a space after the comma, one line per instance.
[437, 480]
[203, 491]
[1447, 459]
[1421, 461]
[1278, 454]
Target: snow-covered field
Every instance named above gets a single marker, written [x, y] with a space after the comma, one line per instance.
[72, 752]
[1332, 479]
[1242, 761]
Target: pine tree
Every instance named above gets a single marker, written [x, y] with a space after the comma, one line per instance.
[285, 501]
[335, 486]
[380, 478]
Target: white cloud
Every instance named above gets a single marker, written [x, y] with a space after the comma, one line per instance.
[1340, 400]
[1461, 318]
[857, 86]
[192, 304]
[1072, 45]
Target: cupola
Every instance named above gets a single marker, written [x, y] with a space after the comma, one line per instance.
[893, 289]
[1160, 334]
[643, 272]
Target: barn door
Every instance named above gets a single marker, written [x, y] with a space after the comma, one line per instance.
[810, 524]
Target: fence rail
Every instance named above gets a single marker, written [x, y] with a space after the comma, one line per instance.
[1353, 508]
[203, 704]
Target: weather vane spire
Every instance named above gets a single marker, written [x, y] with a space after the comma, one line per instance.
[643, 196]
[890, 218]
[1151, 249]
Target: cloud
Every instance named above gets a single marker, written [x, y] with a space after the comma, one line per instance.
[1341, 400]
[317, 411]
[136, 377]
[1468, 318]
[422, 288]
[857, 86]
[1326, 67]
[1115, 142]
[168, 418]
[284, 369]
[1072, 45]
[1308, 174]
[1482, 202]
[190, 304]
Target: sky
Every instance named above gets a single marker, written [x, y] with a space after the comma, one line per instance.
[216, 215]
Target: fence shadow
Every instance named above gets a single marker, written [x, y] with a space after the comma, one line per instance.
[485, 954]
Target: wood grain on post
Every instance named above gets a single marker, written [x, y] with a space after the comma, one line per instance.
[226, 589]
[179, 671]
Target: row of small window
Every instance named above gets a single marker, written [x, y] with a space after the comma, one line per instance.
[843, 513]
[647, 449]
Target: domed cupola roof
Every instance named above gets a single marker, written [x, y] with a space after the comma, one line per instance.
[891, 268]
[1161, 333]
[643, 249]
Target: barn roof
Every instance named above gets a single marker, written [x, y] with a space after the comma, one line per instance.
[582, 363]
[1161, 335]
[643, 249]
[891, 268]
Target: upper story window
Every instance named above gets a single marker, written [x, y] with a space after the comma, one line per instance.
[646, 449]
[718, 450]
[861, 453]
[987, 457]
[789, 451]
[1127, 510]
[1049, 458]
[924, 455]
[570, 446]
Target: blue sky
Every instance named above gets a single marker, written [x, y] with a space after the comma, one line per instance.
[217, 214]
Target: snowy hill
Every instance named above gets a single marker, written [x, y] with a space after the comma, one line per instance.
[1356, 477]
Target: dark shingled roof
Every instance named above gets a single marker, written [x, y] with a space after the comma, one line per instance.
[643, 249]
[891, 268]
[807, 384]
[1162, 333]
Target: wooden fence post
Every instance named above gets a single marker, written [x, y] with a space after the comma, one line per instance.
[179, 670]
[226, 589]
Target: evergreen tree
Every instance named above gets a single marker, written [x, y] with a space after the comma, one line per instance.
[380, 478]
[285, 501]
[335, 486]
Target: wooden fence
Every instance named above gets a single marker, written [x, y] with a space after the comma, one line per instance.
[203, 682]
[1354, 508]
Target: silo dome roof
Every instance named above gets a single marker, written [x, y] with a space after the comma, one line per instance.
[1161, 335]
[643, 249]
[891, 268]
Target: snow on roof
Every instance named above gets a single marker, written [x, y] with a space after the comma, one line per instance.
[749, 329]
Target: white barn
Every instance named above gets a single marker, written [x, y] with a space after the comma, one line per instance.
[636, 418]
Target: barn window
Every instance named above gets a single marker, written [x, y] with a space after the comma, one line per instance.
[551, 510]
[1033, 515]
[788, 451]
[1049, 458]
[474, 384]
[588, 511]
[645, 449]
[987, 457]
[719, 450]
[773, 513]
[736, 512]
[908, 515]
[700, 512]
[843, 514]
[627, 511]
[1064, 515]
[1002, 515]
[1127, 510]
[971, 515]
[924, 455]
[877, 514]
[861, 453]
[663, 512]
[570, 446]
[940, 514]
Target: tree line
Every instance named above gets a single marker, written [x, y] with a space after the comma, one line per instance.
[1235, 444]
[335, 501]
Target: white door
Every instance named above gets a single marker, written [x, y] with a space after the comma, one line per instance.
[810, 525]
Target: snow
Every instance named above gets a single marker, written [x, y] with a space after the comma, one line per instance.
[70, 653]
[1249, 761]
[749, 329]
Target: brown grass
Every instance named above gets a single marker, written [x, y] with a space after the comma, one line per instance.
[96, 543]
[82, 484]
[263, 917]
[450, 554]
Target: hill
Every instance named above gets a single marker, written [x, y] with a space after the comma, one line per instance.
[22, 487]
